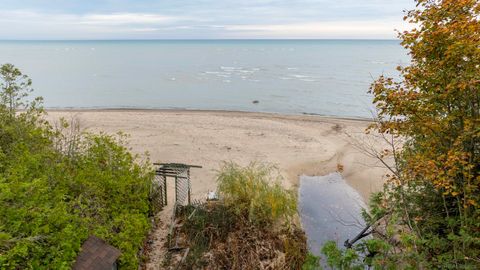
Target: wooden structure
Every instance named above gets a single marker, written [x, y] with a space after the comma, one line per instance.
[95, 254]
[181, 174]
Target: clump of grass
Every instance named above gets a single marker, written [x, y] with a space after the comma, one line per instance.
[250, 227]
[220, 239]
[206, 224]
[256, 191]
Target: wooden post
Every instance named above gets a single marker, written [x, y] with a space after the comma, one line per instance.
[176, 189]
[188, 179]
[165, 189]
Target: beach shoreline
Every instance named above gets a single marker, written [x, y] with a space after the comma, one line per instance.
[296, 144]
[219, 111]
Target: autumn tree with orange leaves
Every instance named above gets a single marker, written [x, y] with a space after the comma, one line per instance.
[429, 212]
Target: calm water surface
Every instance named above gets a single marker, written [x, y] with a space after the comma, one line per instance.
[330, 210]
[329, 77]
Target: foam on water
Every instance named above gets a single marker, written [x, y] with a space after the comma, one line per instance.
[329, 77]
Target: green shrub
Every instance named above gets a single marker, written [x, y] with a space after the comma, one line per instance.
[256, 191]
[312, 262]
[342, 259]
[205, 224]
[220, 239]
[51, 200]
[251, 225]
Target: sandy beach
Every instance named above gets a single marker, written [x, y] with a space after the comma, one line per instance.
[296, 144]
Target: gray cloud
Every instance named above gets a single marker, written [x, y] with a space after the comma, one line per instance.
[124, 19]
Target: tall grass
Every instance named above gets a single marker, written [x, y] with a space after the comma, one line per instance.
[256, 191]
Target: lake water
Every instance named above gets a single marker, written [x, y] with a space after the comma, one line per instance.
[330, 210]
[328, 77]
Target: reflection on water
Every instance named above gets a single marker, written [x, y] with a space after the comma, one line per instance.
[330, 210]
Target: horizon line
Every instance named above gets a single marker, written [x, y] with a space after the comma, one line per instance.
[208, 39]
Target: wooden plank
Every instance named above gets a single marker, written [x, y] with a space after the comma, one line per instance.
[183, 258]
[177, 165]
[172, 175]
[170, 171]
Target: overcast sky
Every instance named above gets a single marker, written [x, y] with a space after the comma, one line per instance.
[201, 19]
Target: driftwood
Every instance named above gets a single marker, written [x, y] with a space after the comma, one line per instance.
[362, 234]
[184, 257]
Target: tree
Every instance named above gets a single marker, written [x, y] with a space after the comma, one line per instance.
[57, 189]
[431, 201]
[15, 87]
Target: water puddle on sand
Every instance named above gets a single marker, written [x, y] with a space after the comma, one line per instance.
[330, 210]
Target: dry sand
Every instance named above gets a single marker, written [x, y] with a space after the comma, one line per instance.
[297, 145]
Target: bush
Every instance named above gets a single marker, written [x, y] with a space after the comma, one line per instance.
[249, 228]
[51, 200]
[220, 239]
[312, 262]
[256, 191]
[430, 206]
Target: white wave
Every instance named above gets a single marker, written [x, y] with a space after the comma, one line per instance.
[229, 68]
[299, 76]
[246, 71]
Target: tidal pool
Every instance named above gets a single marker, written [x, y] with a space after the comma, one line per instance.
[330, 210]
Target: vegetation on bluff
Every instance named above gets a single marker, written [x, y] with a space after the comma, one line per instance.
[251, 227]
[58, 187]
[428, 216]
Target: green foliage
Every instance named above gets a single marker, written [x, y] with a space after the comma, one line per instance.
[312, 262]
[51, 201]
[256, 191]
[428, 216]
[341, 259]
[15, 87]
[219, 238]
[250, 225]
[205, 225]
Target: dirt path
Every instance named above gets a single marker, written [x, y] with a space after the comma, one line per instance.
[297, 145]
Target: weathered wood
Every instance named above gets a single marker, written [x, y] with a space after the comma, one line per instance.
[184, 257]
[177, 165]
[189, 190]
[362, 234]
[173, 176]
[165, 189]
[180, 172]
